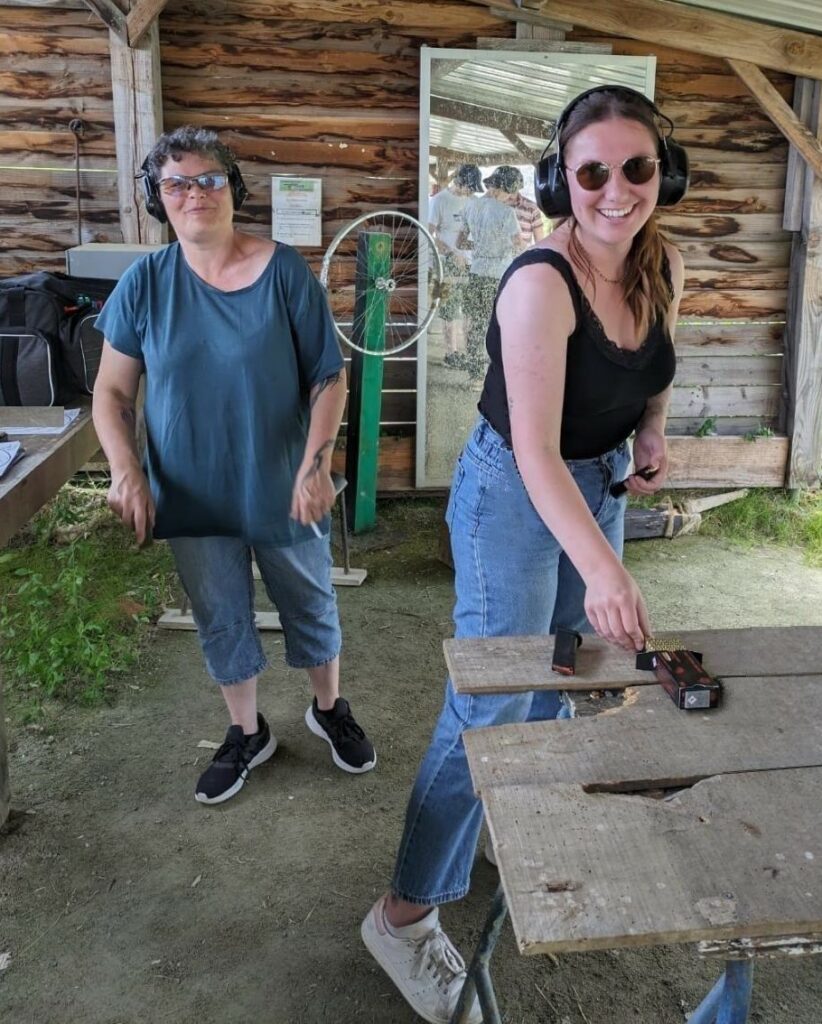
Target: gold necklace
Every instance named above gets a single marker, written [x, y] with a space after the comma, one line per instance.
[597, 271]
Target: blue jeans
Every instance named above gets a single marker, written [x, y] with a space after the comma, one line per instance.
[216, 575]
[512, 579]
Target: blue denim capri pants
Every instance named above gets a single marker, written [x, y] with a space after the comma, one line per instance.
[512, 579]
[216, 575]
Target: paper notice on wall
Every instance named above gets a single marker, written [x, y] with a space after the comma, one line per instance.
[296, 210]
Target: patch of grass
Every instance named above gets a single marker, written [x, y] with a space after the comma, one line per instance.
[771, 516]
[74, 616]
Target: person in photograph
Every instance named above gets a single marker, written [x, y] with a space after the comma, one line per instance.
[446, 223]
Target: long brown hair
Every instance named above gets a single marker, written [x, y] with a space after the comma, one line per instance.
[647, 288]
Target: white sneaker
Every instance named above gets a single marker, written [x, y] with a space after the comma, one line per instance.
[422, 963]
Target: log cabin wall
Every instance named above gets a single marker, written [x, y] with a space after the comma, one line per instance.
[331, 89]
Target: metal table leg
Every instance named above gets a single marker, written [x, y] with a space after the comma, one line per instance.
[479, 972]
[729, 1001]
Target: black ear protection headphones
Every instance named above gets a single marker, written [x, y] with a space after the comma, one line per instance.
[154, 202]
[551, 183]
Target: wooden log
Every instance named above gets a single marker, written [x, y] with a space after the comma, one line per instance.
[710, 501]
[140, 18]
[648, 523]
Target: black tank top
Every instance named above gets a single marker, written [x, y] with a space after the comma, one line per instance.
[606, 387]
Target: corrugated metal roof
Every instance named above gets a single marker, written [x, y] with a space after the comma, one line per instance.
[805, 15]
[536, 91]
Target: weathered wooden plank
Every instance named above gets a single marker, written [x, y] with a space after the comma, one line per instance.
[714, 113]
[735, 304]
[515, 664]
[748, 226]
[707, 254]
[138, 122]
[780, 113]
[140, 18]
[396, 463]
[49, 149]
[719, 200]
[647, 742]
[341, 125]
[798, 175]
[804, 334]
[727, 461]
[735, 338]
[722, 400]
[708, 368]
[718, 35]
[263, 56]
[397, 16]
[734, 856]
[111, 15]
[737, 278]
[676, 89]
[736, 426]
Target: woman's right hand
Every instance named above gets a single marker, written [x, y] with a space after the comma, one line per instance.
[616, 609]
[129, 497]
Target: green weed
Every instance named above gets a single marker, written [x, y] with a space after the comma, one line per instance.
[74, 617]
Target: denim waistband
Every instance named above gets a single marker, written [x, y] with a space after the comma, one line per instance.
[491, 443]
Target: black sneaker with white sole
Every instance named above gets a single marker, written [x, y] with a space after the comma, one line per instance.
[229, 768]
[350, 747]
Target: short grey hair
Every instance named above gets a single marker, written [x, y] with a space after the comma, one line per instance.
[187, 139]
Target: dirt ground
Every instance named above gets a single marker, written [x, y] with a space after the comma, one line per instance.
[122, 901]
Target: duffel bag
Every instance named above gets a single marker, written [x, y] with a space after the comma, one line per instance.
[49, 346]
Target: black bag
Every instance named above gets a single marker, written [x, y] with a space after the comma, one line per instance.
[49, 346]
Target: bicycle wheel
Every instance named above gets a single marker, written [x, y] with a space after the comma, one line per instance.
[408, 281]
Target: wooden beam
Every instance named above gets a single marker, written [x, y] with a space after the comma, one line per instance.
[681, 27]
[799, 176]
[138, 121]
[110, 14]
[780, 113]
[803, 336]
[141, 17]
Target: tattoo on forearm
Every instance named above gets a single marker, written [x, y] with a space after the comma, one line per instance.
[323, 385]
[128, 416]
[317, 460]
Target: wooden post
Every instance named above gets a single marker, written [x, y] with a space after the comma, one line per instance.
[365, 386]
[803, 335]
[138, 121]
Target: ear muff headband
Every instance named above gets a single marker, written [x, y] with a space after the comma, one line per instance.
[551, 183]
[154, 201]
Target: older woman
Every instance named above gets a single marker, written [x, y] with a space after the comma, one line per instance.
[245, 388]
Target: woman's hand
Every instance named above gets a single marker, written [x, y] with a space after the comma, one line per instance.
[313, 496]
[616, 609]
[129, 497]
[650, 452]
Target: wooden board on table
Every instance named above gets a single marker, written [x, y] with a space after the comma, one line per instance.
[763, 723]
[516, 663]
[734, 856]
[49, 461]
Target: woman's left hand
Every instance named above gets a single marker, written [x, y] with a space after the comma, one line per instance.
[313, 496]
[650, 452]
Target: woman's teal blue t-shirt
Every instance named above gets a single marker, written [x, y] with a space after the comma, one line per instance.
[227, 376]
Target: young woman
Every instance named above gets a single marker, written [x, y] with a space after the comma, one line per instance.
[245, 388]
[581, 357]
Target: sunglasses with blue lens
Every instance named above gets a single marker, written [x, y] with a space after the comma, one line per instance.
[179, 184]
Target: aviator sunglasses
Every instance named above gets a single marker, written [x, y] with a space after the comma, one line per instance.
[593, 175]
[179, 184]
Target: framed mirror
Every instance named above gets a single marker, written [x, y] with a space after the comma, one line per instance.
[485, 118]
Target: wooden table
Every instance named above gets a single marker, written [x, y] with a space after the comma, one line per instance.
[50, 460]
[731, 857]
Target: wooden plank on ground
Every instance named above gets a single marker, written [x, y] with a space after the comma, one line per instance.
[512, 664]
[735, 856]
[649, 743]
[18, 416]
[50, 461]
